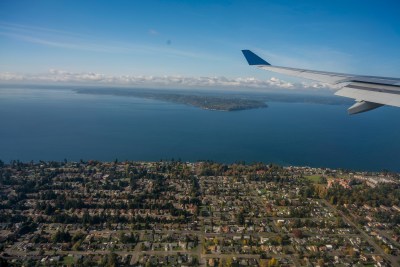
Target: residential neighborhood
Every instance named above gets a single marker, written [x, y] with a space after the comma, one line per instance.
[173, 213]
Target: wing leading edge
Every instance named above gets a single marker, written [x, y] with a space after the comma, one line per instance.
[370, 92]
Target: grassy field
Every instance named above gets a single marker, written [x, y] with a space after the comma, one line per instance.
[314, 178]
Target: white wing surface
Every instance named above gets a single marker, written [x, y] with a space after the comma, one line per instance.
[370, 92]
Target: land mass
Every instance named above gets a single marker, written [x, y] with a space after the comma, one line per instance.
[174, 213]
[201, 101]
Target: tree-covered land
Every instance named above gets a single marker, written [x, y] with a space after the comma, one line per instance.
[173, 213]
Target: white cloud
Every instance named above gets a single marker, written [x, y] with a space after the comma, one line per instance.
[60, 76]
[320, 85]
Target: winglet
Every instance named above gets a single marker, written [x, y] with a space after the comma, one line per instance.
[253, 59]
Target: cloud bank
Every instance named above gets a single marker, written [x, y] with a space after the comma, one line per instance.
[65, 77]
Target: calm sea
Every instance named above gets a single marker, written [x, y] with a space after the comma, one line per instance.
[43, 124]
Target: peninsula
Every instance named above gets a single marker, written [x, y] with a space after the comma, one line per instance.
[221, 103]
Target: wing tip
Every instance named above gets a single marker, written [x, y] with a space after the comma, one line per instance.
[253, 59]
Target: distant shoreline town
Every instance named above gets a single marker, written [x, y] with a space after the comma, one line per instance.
[173, 213]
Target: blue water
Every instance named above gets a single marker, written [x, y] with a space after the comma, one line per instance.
[38, 124]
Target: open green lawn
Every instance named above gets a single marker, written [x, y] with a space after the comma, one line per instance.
[314, 178]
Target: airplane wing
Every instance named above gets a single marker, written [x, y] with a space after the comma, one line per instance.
[370, 92]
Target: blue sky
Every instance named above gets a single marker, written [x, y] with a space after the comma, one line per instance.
[107, 40]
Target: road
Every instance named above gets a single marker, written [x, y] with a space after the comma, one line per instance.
[389, 258]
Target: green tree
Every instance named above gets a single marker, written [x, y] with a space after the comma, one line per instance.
[323, 180]
[241, 217]
[110, 260]
[273, 262]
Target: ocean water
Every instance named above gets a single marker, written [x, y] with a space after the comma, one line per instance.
[44, 124]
